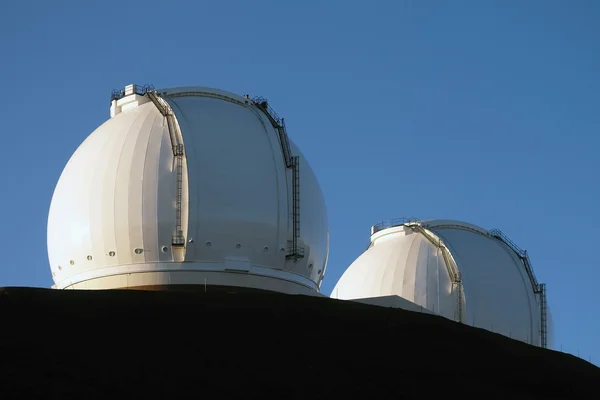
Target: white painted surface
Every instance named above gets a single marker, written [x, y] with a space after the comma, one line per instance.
[394, 302]
[403, 263]
[497, 291]
[117, 194]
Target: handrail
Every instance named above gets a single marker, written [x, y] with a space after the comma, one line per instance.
[498, 234]
[538, 288]
[391, 223]
[141, 90]
[263, 103]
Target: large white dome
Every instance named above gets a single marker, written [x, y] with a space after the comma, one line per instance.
[456, 270]
[131, 210]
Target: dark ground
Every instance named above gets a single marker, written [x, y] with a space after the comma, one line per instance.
[138, 344]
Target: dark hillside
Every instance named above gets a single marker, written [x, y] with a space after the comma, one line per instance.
[143, 344]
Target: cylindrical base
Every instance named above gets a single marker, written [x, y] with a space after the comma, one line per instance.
[198, 289]
[197, 279]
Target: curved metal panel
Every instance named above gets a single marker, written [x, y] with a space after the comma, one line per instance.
[499, 296]
[101, 195]
[233, 182]
[314, 228]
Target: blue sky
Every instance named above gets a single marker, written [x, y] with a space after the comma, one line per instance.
[482, 111]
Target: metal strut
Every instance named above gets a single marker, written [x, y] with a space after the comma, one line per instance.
[165, 109]
[292, 162]
[453, 271]
[538, 288]
[498, 234]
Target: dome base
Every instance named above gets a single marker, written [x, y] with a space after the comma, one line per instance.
[161, 278]
[198, 289]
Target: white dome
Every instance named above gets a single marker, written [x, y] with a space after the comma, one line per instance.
[455, 269]
[123, 215]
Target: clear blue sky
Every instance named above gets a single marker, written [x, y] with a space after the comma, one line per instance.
[482, 111]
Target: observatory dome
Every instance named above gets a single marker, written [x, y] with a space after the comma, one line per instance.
[188, 186]
[454, 269]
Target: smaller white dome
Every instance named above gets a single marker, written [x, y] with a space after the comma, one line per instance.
[455, 269]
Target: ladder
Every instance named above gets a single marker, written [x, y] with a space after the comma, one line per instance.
[295, 252]
[544, 316]
[459, 296]
[178, 239]
[292, 162]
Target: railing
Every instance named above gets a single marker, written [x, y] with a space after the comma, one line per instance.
[498, 234]
[141, 90]
[262, 103]
[391, 223]
[165, 110]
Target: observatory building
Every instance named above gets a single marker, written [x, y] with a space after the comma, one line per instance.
[188, 186]
[453, 269]
[198, 187]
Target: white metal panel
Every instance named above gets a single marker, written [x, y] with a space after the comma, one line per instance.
[137, 181]
[97, 205]
[150, 188]
[233, 180]
[106, 178]
[125, 202]
[410, 268]
[499, 296]
[161, 151]
[403, 263]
